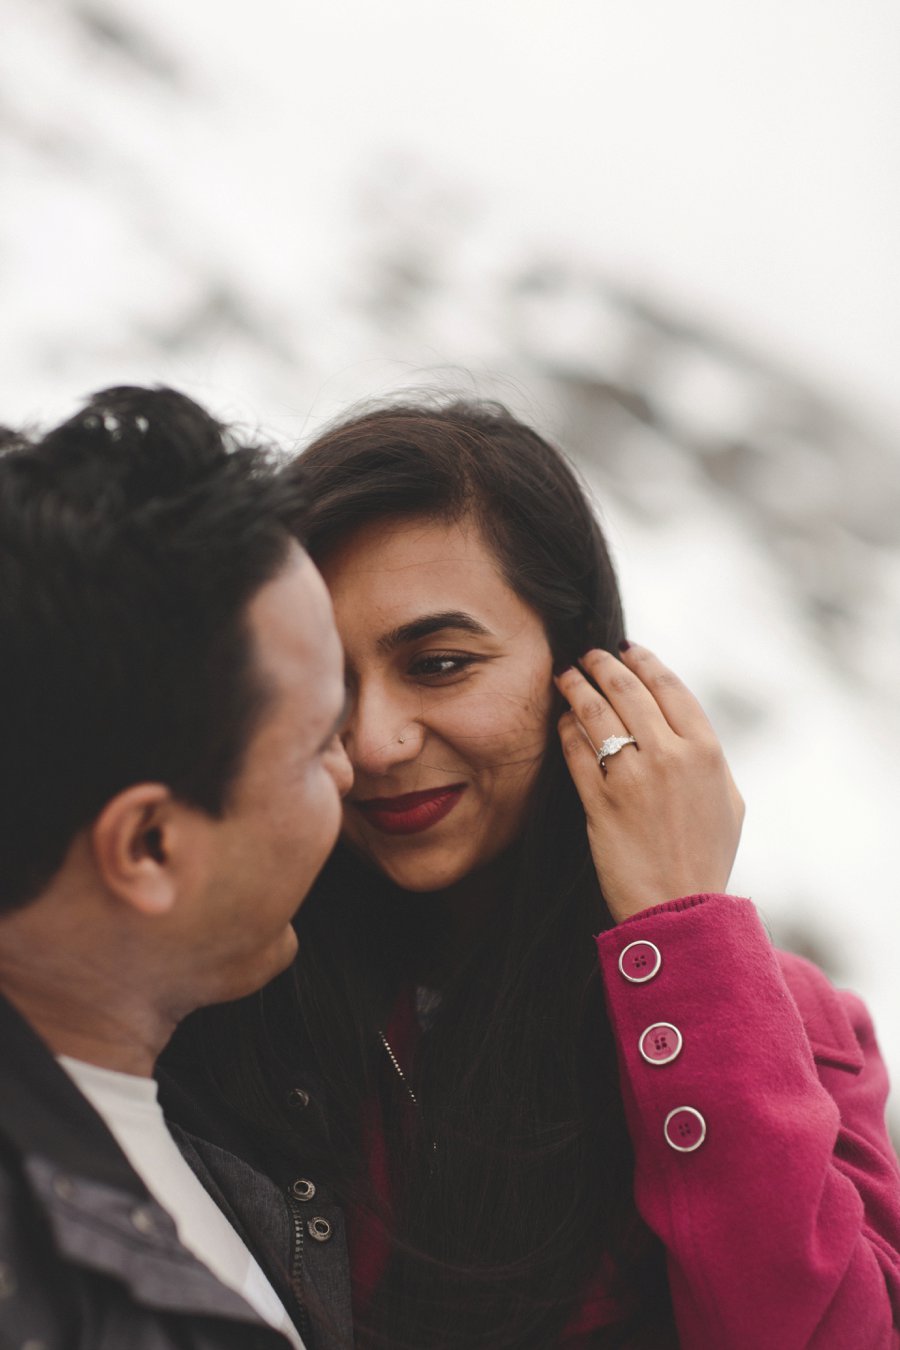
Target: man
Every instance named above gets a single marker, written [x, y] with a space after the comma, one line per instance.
[171, 688]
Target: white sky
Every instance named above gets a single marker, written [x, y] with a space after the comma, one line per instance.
[740, 157]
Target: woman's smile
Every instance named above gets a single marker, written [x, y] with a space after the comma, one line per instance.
[412, 812]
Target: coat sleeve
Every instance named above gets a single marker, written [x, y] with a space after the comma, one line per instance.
[755, 1095]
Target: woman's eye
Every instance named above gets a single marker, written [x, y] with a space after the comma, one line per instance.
[439, 664]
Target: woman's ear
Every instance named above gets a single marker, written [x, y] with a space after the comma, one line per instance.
[133, 839]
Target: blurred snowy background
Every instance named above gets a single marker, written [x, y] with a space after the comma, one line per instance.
[667, 233]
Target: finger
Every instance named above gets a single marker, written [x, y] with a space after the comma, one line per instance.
[597, 717]
[628, 697]
[581, 758]
[651, 700]
[678, 705]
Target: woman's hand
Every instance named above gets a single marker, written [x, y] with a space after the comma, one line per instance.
[664, 817]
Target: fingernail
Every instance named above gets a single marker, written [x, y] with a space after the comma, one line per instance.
[624, 645]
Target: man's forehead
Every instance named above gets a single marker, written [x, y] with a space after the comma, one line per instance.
[292, 624]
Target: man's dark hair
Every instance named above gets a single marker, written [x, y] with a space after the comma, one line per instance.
[132, 538]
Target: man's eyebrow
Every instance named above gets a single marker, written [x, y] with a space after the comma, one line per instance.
[431, 623]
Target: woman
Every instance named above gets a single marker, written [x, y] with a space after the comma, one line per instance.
[667, 1135]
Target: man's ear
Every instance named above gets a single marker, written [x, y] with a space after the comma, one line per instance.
[133, 840]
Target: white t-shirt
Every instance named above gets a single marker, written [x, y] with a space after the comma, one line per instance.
[134, 1117]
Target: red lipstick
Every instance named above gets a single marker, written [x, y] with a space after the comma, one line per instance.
[413, 812]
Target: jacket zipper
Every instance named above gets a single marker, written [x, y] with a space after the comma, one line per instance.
[297, 1264]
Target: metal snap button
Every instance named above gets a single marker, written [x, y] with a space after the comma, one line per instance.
[640, 961]
[143, 1220]
[64, 1187]
[319, 1229]
[660, 1043]
[298, 1097]
[685, 1129]
[303, 1189]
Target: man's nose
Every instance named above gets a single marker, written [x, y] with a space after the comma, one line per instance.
[340, 766]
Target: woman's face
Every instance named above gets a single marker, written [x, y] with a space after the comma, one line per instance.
[450, 673]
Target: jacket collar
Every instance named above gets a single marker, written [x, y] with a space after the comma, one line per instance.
[42, 1111]
[99, 1211]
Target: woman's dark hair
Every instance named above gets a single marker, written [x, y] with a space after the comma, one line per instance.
[132, 538]
[512, 1181]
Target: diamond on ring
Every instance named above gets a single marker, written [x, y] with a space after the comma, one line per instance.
[611, 746]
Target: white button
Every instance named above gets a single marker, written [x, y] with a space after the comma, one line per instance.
[685, 1129]
[660, 1043]
[640, 961]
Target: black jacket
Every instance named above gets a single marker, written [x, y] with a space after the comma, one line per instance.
[90, 1261]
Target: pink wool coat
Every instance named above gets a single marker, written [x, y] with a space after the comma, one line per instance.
[755, 1093]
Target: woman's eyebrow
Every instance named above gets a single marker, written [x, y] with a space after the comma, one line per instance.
[431, 623]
